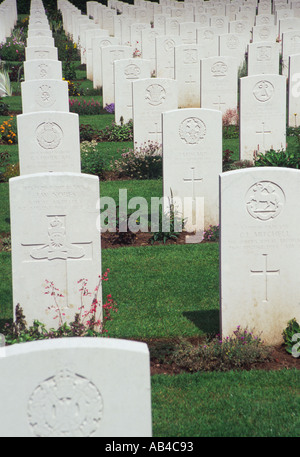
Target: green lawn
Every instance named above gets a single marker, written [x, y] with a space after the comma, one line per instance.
[167, 291]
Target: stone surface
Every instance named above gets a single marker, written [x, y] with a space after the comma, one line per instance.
[151, 97]
[42, 69]
[48, 141]
[41, 52]
[125, 72]
[165, 55]
[60, 391]
[44, 95]
[259, 251]
[263, 58]
[187, 74]
[294, 91]
[262, 114]
[192, 161]
[219, 83]
[55, 238]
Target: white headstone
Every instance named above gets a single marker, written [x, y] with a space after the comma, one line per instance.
[151, 97]
[219, 83]
[290, 46]
[42, 69]
[232, 45]
[48, 141]
[41, 52]
[262, 114]
[55, 238]
[98, 43]
[264, 33]
[259, 251]
[208, 38]
[192, 161]
[109, 55]
[165, 55]
[294, 91]
[59, 393]
[44, 95]
[125, 72]
[148, 46]
[263, 58]
[187, 74]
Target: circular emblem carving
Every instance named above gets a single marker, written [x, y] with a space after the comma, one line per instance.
[232, 42]
[264, 33]
[264, 200]
[132, 71]
[45, 96]
[263, 91]
[169, 45]
[192, 130]
[155, 94]
[219, 68]
[65, 405]
[49, 135]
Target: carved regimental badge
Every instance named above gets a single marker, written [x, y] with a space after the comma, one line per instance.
[155, 94]
[192, 130]
[65, 405]
[263, 91]
[45, 96]
[265, 200]
[49, 135]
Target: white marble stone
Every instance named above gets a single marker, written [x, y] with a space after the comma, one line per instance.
[259, 251]
[219, 83]
[294, 91]
[290, 46]
[42, 69]
[44, 95]
[98, 43]
[125, 72]
[262, 114]
[109, 54]
[55, 238]
[151, 97]
[192, 161]
[232, 45]
[48, 141]
[165, 55]
[264, 33]
[187, 74]
[263, 58]
[59, 390]
[41, 52]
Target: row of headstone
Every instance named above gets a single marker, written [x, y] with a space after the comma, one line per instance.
[72, 387]
[53, 206]
[8, 18]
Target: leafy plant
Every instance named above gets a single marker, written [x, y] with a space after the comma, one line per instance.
[175, 222]
[110, 108]
[69, 72]
[92, 161]
[140, 163]
[272, 158]
[292, 329]
[11, 171]
[5, 85]
[88, 133]
[227, 159]
[8, 131]
[239, 351]
[83, 107]
[115, 132]
[212, 234]
[13, 50]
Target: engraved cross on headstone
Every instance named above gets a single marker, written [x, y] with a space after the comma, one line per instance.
[265, 273]
[193, 180]
[191, 80]
[263, 132]
[156, 132]
[219, 103]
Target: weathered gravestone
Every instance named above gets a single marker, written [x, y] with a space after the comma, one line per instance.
[75, 387]
[151, 97]
[264, 33]
[262, 114]
[48, 141]
[55, 238]
[259, 251]
[125, 72]
[290, 46]
[44, 95]
[187, 74]
[97, 45]
[192, 161]
[165, 55]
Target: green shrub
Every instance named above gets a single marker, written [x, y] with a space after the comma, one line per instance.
[140, 163]
[281, 158]
[292, 329]
[115, 132]
[12, 50]
[238, 351]
[91, 160]
[3, 108]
